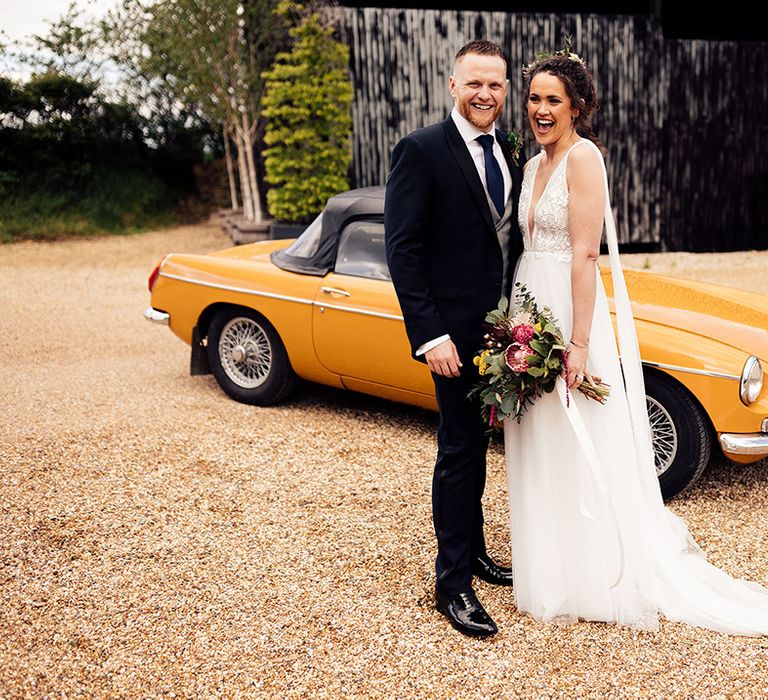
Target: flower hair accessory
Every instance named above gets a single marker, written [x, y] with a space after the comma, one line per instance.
[565, 51]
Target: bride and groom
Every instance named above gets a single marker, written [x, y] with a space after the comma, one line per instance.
[466, 218]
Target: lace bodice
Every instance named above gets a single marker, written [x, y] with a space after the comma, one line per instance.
[550, 220]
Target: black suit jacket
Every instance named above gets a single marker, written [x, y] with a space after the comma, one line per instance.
[442, 248]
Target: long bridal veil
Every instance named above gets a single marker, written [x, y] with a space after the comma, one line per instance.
[673, 573]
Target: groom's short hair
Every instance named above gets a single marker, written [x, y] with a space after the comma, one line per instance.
[483, 47]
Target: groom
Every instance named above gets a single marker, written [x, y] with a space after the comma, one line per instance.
[452, 240]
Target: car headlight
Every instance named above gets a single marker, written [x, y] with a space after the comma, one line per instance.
[751, 383]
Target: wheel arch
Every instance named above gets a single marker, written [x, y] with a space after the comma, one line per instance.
[207, 314]
[665, 376]
[198, 361]
[293, 324]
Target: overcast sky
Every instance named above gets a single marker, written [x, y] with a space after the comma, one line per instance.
[20, 18]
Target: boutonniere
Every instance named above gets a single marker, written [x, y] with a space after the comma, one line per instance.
[515, 140]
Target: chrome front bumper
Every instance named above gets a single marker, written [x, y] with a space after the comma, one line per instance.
[744, 443]
[156, 316]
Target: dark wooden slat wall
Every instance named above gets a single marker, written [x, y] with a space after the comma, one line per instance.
[716, 146]
[683, 121]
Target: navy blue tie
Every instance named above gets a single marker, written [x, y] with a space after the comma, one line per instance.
[493, 177]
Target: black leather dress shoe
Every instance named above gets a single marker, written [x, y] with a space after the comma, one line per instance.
[466, 614]
[488, 570]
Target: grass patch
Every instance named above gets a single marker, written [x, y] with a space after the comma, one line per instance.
[113, 203]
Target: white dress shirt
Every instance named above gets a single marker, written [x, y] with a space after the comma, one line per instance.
[469, 132]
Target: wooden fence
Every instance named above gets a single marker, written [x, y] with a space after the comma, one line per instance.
[684, 122]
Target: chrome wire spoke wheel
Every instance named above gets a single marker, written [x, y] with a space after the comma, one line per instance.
[663, 434]
[245, 352]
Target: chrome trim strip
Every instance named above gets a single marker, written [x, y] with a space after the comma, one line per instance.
[394, 317]
[228, 288]
[690, 370]
[283, 297]
[745, 443]
[363, 312]
[155, 316]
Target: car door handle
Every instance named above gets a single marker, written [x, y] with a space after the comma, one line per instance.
[334, 290]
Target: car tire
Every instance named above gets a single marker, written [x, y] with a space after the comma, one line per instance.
[248, 358]
[682, 435]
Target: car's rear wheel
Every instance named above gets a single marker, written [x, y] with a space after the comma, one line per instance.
[248, 358]
[682, 437]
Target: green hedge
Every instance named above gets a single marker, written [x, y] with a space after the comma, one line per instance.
[307, 106]
[114, 202]
[73, 163]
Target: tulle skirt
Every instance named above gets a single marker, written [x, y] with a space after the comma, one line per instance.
[591, 538]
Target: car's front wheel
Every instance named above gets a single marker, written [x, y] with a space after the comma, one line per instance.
[682, 437]
[248, 358]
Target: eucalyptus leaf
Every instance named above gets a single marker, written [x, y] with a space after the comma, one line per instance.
[494, 316]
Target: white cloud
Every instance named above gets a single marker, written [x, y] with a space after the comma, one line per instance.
[22, 18]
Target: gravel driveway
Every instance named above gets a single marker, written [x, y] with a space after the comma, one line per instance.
[160, 539]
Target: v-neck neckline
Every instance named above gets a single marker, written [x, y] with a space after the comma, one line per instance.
[543, 192]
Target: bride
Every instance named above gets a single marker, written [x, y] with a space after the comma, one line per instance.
[591, 538]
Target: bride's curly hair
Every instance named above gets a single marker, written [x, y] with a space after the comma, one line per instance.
[579, 84]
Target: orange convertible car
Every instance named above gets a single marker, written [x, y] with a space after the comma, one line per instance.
[322, 307]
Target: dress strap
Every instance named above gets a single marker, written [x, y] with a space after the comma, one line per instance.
[564, 159]
[573, 145]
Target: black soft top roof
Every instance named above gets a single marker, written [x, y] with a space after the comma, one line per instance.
[353, 204]
[363, 203]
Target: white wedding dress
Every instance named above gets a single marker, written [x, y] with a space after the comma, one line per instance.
[591, 537]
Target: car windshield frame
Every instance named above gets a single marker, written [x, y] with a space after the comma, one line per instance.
[306, 245]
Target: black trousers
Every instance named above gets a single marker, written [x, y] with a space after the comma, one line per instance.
[459, 481]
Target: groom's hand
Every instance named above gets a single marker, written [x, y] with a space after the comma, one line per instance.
[443, 359]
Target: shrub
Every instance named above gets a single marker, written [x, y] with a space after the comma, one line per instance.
[307, 105]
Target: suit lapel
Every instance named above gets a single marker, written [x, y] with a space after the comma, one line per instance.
[468, 169]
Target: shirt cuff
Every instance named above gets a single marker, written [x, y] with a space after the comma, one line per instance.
[431, 344]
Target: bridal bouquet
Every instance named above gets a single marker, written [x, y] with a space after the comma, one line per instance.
[523, 356]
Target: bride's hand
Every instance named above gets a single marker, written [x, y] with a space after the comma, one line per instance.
[577, 366]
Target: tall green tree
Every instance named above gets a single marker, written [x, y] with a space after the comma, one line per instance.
[212, 54]
[71, 47]
[308, 108]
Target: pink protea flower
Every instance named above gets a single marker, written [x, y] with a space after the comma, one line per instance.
[516, 357]
[523, 333]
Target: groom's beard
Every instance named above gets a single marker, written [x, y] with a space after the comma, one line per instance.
[482, 119]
